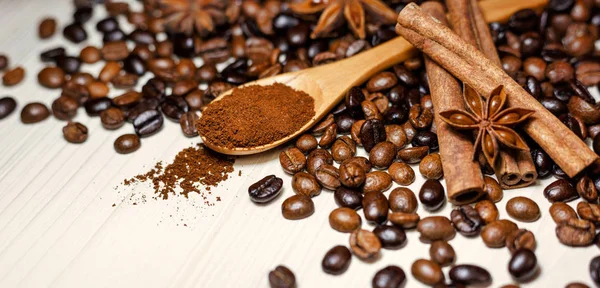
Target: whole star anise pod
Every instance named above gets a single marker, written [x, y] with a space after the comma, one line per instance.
[187, 16]
[354, 11]
[492, 122]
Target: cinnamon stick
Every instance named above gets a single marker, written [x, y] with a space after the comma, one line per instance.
[464, 180]
[468, 64]
[515, 169]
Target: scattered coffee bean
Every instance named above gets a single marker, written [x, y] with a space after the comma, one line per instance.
[282, 277]
[492, 189]
[51, 77]
[306, 143]
[434, 228]
[589, 211]
[431, 166]
[316, 158]
[587, 190]
[576, 285]
[34, 112]
[470, 275]
[494, 234]
[352, 175]
[147, 123]
[112, 118]
[404, 220]
[336, 260]
[305, 184]
[432, 195]
[344, 220]
[420, 117]
[127, 143]
[328, 176]
[187, 122]
[375, 206]
[487, 210]
[389, 277]
[292, 160]
[13, 77]
[47, 28]
[343, 149]
[402, 173]
[328, 136]
[382, 155]
[576, 232]
[560, 191]
[442, 253]
[377, 181]
[349, 198]
[523, 209]
[466, 220]
[266, 189]
[523, 264]
[561, 212]
[7, 106]
[521, 238]
[413, 155]
[75, 33]
[75, 132]
[364, 244]
[403, 200]
[90, 55]
[371, 133]
[594, 269]
[427, 272]
[391, 237]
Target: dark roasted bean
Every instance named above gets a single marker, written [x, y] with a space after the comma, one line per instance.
[391, 237]
[349, 198]
[375, 206]
[282, 277]
[147, 123]
[336, 260]
[427, 272]
[434, 228]
[432, 195]
[75, 33]
[297, 207]
[523, 264]
[34, 112]
[292, 160]
[403, 200]
[442, 253]
[372, 132]
[266, 189]
[466, 220]
[587, 190]
[174, 106]
[75, 132]
[470, 275]
[389, 277]
[560, 191]
[344, 220]
[68, 64]
[127, 143]
[7, 106]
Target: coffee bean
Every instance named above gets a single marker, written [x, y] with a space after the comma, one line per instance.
[297, 207]
[395, 134]
[75, 33]
[560, 191]
[372, 132]
[382, 155]
[589, 211]
[316, 158]
[487, 210]
[442, 253]
[282, 277]
[554, 105]
[336, 260]
[523, 209]
[404, 220]
[174, 106]
[107, 24]
[47, 28]
[70, 65]
[523, 20]
[594, 269]
[351, 175]
[345, 197]
[381, 81]
[559, 71]
[561, 212]
[412, 155]
[576, 285]
[147, 123]
[328, 176]
[51, 77]
[266, 189]
[536, 67]
[432, 195]
[470, 275]
[64, 108]
[364, 244]
[112, 118]
[587, 112]
[305, 184]
[371, 111]
[494, 234]
[521, 238]
[466, 220]
[560, 5]
[391, 237]
[134, 64]
[127, 143]
[377, 181]
[98, 89]
[306, 143]
[188, 123]
[375, 206]
[419, 117]
[402, 173]
[34, 112]
[425, 138]
[292, 160]
[389, 277]
[523, 265]
[7, 106]
[435, 228]
[94, 106]
[344, 220]
[343, 148]
[3, 62]
[403, 200]
[114, 36]
[405, 76]
[13, 77]
[328, 136]
[75, 132]
[587, 190]
[396, 115]
[543, 163]
[431, 166]
[427, 272]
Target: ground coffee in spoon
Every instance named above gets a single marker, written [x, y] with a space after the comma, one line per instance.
[255, 115]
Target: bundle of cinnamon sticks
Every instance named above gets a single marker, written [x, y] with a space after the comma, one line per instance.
[469, 54]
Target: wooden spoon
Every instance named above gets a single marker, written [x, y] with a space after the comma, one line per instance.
[329, 83]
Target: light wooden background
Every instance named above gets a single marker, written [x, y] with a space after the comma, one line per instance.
[58, 226]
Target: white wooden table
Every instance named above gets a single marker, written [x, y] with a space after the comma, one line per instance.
[58, 226]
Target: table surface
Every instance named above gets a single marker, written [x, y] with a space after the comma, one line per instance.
[59, 227]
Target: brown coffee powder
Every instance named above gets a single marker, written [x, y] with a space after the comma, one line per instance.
[255, 115]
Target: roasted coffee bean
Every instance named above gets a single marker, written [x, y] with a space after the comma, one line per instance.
[382, 155]
[70, 65]
[195, 99]
[344, 220]
[372, 132]
[142, 37]
[402, 173]
[336, 260]
[94, 106]
[596, 144]
[395, 134]
[316, 158]
[412, 155]
[595, 270]
[75, 33]
[523, 209]
[47, 28]
[523, 264]
[344, 123]
[64, 108]
[375, 206]
[127, 99]
[349, 198]
[584, 110]
[90, 55]
[377, 181]
[559, 71]
[396, 115]
[125, 81]
[343, 149]
[98, 89]
[127, 143]
[115, 51]
[590, 212]
[51, 77]
[560, 191]
[351, 175]
[404, 220]
[107, 24]
[554, 105]
[154, 88]
[403, 200]
[320, 128]
[470, 275]
[112, 118]
[297, 207]
[328, 136]
[174, 106]
[561, 212]
[371, 111]
[361, 161]
[305, 184]
[523, 21]
[466, 220]
[282, 277]
[420, 117]
[134, 64]
[13, 77]
[34, 112]
[587, 190]
[292, 160]
[389, 277]
[381, 81]
[148, 122]
[535, 67]
[427, 272]
[113, 36]
[109, 71]
[432, 195]
[7, 106]
[75, 132]
[487, 210]
[543, 163]
[328, 176]
[76, 92]
[52, 55]
[391, 237]
[511, 64]
[4, 62]
[266, 189]
[442, 253]
[431, 166]
[425, 138]
[521, 238]
[576, 285]
[364, 244]
[494, 234]
[435, 228]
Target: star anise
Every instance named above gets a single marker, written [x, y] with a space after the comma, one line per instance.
[187, 16]
[354, 11]
[492, 122]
